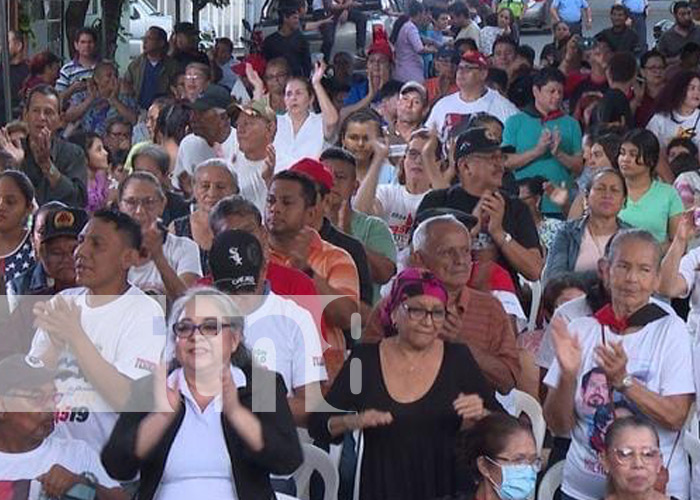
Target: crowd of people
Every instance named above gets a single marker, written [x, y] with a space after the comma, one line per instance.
[206, 260]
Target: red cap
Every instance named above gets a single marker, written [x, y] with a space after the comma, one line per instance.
[381, 46]
[315, 170]
[257, 61]
[476, 58]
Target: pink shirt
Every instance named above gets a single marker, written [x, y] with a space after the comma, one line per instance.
[408, 65]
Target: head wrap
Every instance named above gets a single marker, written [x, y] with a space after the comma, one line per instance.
[411, 282]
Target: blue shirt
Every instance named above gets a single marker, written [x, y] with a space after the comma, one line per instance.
[149, 84]
[570, 10]
[358, 91]
[635, 6]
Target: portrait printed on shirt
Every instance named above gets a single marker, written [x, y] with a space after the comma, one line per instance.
[594, 406]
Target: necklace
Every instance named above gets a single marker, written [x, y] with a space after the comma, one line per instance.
[413, 361]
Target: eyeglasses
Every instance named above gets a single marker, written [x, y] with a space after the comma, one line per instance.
[208, 328]
[535, 463]
[37, 398]
[146, 203]
[626, 456]
[419, 313]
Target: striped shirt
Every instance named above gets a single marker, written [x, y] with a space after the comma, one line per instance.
[72, 72]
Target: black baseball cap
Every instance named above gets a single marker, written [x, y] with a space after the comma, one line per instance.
[477, 140]
[63, 222]
[215, 96]
[236, 261]
[20, 372]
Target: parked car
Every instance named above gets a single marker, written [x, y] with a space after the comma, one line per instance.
[376, 11]
[143, 15]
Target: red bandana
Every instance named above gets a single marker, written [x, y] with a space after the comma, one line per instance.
[552, 116]
[606, 317]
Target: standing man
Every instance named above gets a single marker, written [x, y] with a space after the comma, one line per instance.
[19, 71]
[572, 12]
[547, 142]
[683, 31]
[151, 73]
[620, 36]
[463, 26]
[187, 45]
[638, 13]
[289, 42]
[56, 168]
[223, 57]
[341, 11]
[74, 74]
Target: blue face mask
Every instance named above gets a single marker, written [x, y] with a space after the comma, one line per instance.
[517, 483]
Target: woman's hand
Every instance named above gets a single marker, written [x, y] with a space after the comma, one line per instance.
[254, 79]
[566, 347]
[229, 393]
[319, 71]
[469, 407]
[613, 360]
[165, 399]
[371, 418]
[559, 195]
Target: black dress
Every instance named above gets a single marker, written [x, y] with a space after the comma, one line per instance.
[183, 227]
[413, 458]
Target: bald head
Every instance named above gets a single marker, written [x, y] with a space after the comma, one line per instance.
[428, 231]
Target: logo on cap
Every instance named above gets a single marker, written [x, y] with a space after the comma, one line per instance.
[63, 219]
[235, 256]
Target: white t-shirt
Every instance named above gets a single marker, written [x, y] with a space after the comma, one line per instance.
[250, 181]
[198, 460]
[308, 142]
[569, 311]
[240, 93]
[283, 337]
[129, 333]
[183, 256]
[22, 469]
[452, 110]
[690, 263]
[666, 127]
[398, 211]
[659, 357]
[194, 150]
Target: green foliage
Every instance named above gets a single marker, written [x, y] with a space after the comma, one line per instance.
[200, 4]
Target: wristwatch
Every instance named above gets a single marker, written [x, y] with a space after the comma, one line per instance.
[507, 238]
[627, 382]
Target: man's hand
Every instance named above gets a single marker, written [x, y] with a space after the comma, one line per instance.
[12, 148]
[41, 149]
[495, 206]
[60, 318]
[345, 217]
[298, 249]
[452, 328]
[269, 164]
[57, 481]
[545, 142]
[555, 142]
[613, 361]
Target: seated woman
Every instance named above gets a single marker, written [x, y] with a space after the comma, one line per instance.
[579, 244]
[498, 460]
[186, 437]
[632, 353]
[213, 180]
[651, 204]
[168, 264]
[422, 391]
[632, 460]
[531, 191]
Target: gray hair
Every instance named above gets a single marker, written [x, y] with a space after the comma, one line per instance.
[155, 153]
[420, 238]
[229, 310]
[219, 163]
[625, 235]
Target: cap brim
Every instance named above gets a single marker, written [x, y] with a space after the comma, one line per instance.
[58, 234]
[228, 285]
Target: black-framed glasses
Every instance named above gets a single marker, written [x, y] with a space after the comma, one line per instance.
[208, 328]
[420, 313]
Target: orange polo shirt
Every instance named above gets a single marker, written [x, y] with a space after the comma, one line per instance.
[336, 267]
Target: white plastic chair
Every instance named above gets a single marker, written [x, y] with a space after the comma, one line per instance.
[524, 403]
[691, 436]
[315, 459]
[551, 481]
[359, 438]
[536, 287]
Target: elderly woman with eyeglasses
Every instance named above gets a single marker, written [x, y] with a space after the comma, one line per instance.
[213, 180]
[632, 460]
[416, 392]
[168, 264]
[195, 433]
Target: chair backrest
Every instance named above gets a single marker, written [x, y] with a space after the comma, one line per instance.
[524, 403]
[359, 439]
[315, 459]
[551, 481]
[536, 287]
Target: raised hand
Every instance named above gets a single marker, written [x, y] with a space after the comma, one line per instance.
[153, 240]
[12, 148]
[60, 318]
[566, 347]
[612, 358]
[544, 142]
[229, 393]
[555, 142]
[319, 71]
[166, 399]
[558, 194]
[269, 165]
[686, 226]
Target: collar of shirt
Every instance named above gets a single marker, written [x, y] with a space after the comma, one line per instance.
[315, 246]
[178, 375]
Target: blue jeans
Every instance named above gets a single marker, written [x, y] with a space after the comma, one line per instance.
[639, 25]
